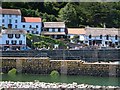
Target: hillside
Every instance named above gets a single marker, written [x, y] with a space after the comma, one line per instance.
[95, 14]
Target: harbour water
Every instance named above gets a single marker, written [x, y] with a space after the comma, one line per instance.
[91, 80]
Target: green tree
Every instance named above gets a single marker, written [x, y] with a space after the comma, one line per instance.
[68, 15]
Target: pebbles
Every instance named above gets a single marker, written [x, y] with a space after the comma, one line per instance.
[57, 86]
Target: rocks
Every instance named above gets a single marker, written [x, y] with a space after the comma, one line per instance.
[53, 86]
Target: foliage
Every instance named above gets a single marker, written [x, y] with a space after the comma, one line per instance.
[75, 14]
[54, 74]
[39, 41]
[12, 72]
[76, 39]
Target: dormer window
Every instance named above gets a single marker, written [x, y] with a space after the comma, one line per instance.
[17, 35]
[10, 35]
[116, 37]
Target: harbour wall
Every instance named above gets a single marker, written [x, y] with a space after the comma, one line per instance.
[69, 67]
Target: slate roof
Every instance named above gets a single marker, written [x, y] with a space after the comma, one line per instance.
[11, 31]
[102, 31]
[54, 25]
[10, 11]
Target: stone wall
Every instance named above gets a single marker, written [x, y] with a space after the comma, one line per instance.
[70, 67]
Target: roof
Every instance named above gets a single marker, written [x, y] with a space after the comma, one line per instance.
[32, 19]
[11, 31]
[102, 31]
[53, 33]
[54, 25]
[76, 31]
[10, 11]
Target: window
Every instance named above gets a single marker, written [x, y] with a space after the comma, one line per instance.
[3, 15]
[20, 42]
[58, 29]
[27, 31]
[116, 37]
[15, 26]
[15, 21]
[7, 41]
[23, 26]
[36, 26]
[36, 32]
[90, 36]
[16, 16]
[32, 32]
[30, 26]
[3, 21]
[100, 36]
[116, 43]
[17, 35]
[10, 21]
[107, 37]
[10, 35]
[53, 30]
[9, 15]
[14, 42]
[9, 25]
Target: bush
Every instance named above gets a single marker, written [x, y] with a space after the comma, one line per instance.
[54, 74]
[12, 72]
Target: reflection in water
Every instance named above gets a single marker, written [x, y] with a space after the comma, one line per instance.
[104, 81]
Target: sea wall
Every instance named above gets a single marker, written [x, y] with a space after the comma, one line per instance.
[71, 67]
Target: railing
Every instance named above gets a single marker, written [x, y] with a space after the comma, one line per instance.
[87, 55]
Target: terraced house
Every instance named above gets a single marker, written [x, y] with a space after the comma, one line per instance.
[55, 30]
[12, 18]
[11, 39]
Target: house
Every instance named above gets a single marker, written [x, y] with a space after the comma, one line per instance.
[11, 39]
[55, 30]
[32, 25]
[79, 32]
[12, 18]
[102, 36]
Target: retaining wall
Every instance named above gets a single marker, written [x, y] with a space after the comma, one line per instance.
[70, 67]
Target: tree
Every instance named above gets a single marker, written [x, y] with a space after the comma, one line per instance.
[68, 15]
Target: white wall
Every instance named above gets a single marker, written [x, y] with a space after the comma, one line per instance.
[22, 37]
[27, 26]
[0, 19]
[13, 18]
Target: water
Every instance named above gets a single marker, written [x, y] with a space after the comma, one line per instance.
[91, 80]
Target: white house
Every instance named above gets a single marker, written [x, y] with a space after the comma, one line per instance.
[80, 32]
[55, 30]
[12, 39]
[32, 25]
[12, 18]
[102, 36]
